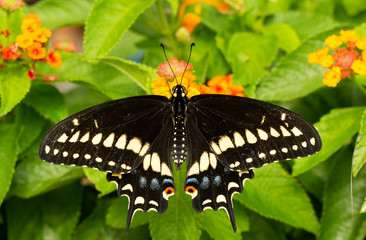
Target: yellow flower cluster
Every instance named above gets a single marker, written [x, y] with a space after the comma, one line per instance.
[33, 37]
[343, 61]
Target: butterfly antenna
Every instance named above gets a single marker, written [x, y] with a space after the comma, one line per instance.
[162, 45]
[189, 58]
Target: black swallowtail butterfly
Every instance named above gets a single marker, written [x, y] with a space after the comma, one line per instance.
[137, 139]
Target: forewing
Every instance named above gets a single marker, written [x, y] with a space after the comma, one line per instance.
[113, 136]
[245, 133]
[149, 186]
[210, 184]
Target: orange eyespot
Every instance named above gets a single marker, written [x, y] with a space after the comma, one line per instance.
[190, 189]
[169, 191]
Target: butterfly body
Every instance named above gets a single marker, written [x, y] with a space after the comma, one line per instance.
[179, 116]
[136, 141]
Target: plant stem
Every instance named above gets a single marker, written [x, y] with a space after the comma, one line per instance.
[167, 31]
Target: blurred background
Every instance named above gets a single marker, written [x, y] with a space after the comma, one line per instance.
[307, 56]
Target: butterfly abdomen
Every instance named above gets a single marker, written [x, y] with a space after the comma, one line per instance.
[179, 149]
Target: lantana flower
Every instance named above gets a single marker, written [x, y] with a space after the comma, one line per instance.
[163, 85]
[165, 70]
[10, 52]
[33, 40]
[222, 85]
[30, 46]
[54, 59]
[11, 4]
[36, 51]
[343, 56]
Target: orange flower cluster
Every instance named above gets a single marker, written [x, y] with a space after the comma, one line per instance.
[351, 58]
[11, 4]
[163, 85]
[10, 52]
[222, 85]
[34, 37]
[30, 45]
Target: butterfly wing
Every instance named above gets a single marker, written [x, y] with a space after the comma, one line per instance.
[210, 184]
[149, 186]
[113, 136]
[245, 133]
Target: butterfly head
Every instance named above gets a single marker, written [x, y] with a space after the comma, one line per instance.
[179, 91]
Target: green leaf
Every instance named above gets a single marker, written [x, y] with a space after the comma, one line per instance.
[56, 14]
[250, 54]
[100, 180]
[207, 56]
[214, 20]
[107, 79]
[314, 179]
[128, 47]
[117, 215]
[288, 40]
[306, 24]
[14, 85]
[359, 155]
[138, 233]
[8, 156]
[354, 7]
[274, 193]
[180, 221]
[82, 97]
[91, 227]
[121, 15]
[333, 137]
[139, 73]
[343, 200]
[33, 177]
[50, 216]
[218, 226]
[294, 77]
[278, 6]
[32, 125]
[48, 102]
[263, 228]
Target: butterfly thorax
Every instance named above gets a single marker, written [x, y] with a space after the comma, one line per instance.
[179, 109]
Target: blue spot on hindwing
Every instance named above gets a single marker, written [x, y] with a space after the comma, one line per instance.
[205, 183]
[192, 181]
[154, 184]
[217, 180]
[167, 181]
[142, 182]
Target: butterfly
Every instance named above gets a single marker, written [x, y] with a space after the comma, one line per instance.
[136, 140]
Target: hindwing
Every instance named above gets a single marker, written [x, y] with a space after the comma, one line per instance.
[245, 133]
[113, 137]
[210, 184]
[149, 186]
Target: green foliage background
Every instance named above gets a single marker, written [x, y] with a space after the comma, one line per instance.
[264, 43]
